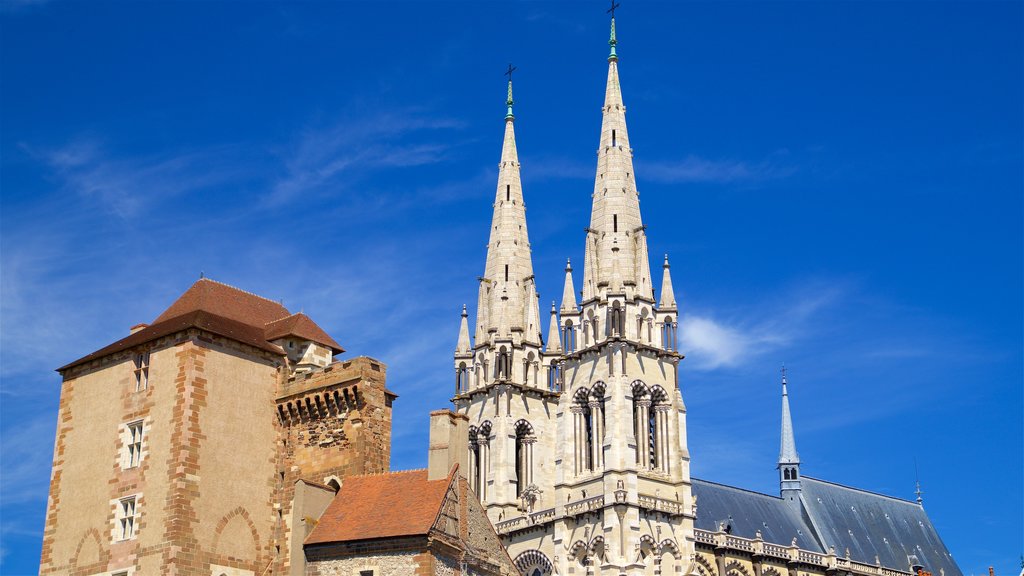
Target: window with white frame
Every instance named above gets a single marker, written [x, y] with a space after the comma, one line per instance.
[141, 371]
[127, 516]
[132, 442]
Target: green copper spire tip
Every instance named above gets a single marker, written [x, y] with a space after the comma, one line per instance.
[509, 115]
[511, 69]
[612, 42]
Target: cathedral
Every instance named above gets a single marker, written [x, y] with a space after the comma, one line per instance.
[577, 444]
[226, 438]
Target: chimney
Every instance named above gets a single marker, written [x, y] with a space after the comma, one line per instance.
[136, 328]
[449, 444]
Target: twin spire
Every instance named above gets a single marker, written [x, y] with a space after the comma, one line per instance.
[615, 261]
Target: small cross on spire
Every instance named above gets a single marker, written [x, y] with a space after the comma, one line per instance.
[783, 372]
[511, 69]
[612, 9]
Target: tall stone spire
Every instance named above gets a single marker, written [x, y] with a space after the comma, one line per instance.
[507, 285]
[789, 461]
[668, 296]
[615, 214]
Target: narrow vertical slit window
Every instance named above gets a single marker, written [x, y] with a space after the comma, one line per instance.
[615, 222]
[508, 192]
[506, 272]
[141, 371]
[613, 137]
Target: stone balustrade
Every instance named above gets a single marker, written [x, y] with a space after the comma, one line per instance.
[660, 504]
[591, 504]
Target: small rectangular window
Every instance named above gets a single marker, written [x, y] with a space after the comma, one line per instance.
[141, 371]
[366, 573]
[132, 442]
[615, 222]
[126, 518]
[508, 192]
[613, 137]
[506, 272]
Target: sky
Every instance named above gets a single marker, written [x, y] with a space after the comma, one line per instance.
[838, 185]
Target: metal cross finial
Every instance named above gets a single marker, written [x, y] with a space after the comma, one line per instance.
[783, 372]
[509, 72]
[612, 9]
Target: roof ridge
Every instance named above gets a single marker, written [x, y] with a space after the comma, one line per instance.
[204, 279]
[896, 498]
[292, 315]
[692, 479]
[387, 472]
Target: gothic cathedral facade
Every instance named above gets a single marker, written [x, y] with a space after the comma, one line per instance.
[578, 448]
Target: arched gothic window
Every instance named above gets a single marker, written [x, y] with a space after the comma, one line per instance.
[668, 334]
[651, 426]
[569, 336]
[525, 440]
[589, 425]
[504, 364]
[462, 379]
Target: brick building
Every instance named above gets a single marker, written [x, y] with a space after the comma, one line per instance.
[209, 441]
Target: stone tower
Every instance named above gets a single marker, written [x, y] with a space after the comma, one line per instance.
[579, 452]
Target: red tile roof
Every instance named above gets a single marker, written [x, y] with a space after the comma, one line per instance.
[226, 311]
[226, 301]
[303, 327]
[382, 506]
[197, 319]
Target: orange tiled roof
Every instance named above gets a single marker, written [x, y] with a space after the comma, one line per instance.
[226, 311]
[382, 506]
[303, 327]
[226, 301]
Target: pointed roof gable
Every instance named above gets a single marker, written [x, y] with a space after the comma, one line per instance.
[382, 506]
[303, 327]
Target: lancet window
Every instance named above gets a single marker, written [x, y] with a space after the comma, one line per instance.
[525, 439]
[616, 320]
[589, 424]
[503, 369]
[651, 412]
[462, 384]
[479, 458]
[569, 336]
[668, 334]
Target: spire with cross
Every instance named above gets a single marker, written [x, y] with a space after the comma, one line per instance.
[511, 69]
[612, 42]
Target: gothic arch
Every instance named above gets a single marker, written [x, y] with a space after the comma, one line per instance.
[523, 428]
[598, 391]
[597, 546]
[473, 430]
[770, 571]
[484, 433]
[531, 560]
[90, 541]
[647, 548]
[639, 389]
[704, 568]
[237, 549]
[734, 567]
[658, 394]
[581, 395]
[669, 546]
[579, 551]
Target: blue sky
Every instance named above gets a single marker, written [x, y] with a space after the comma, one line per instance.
[839, 186]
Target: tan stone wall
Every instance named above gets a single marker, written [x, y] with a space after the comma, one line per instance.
[382, 564]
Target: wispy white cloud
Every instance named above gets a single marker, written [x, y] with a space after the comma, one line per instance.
[126, 185]
[323, 156]
[711, 341]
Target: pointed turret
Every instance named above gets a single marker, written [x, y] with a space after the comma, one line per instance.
[568, 291]
[554, 341]
[507, 284]
[615, 215]
[789, 461]
[463, 345]
[668, 297]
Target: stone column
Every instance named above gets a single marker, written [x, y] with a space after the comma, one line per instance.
[577, 426]
[482, 467]
[530, 441]
[643, 439]
[595, 434]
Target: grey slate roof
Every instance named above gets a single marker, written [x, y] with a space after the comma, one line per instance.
[778, 520]
[830, 515]
[871, 524]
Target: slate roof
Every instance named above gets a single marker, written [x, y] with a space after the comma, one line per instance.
[226, 311]
[830, 515]
[872, 525]
[382, 506]
[747, 512]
